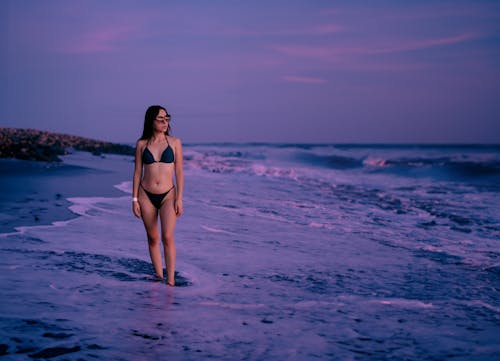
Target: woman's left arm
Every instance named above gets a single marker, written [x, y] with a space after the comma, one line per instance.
[179, 177]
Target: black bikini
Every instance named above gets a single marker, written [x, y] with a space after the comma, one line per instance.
[157, 199]
[166, 157]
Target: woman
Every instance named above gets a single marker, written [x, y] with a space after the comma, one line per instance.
[161, 157]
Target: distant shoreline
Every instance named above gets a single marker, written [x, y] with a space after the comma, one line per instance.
[346, 145]
[38, 145]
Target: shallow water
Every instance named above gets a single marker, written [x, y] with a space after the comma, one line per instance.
[296, 252]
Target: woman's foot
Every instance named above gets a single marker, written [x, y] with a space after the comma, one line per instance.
[158, 278]
[171, 284]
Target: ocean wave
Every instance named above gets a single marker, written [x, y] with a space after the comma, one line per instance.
[330, 161]
[459, 166]
[295, 161]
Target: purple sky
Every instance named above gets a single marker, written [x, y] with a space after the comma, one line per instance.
[271, 71]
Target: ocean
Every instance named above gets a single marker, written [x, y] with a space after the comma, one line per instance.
[285, 251]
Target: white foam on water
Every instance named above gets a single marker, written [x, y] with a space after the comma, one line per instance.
[97, 205]
[375, 162]
[280, 262]
[481, 303]
[404, 303]
[125, 187]
[234, 306]
[215, 230]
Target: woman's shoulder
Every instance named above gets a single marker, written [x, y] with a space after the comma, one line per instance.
[174, 140]
[141, 143]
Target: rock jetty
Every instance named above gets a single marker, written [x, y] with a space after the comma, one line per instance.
[32, 144]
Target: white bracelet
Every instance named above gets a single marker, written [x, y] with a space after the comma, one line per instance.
[134, 199]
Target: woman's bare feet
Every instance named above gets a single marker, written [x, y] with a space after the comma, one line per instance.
[171, 281]
[158, 278]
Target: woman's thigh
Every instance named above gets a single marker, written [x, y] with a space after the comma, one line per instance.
[168, 217]
[149, 214]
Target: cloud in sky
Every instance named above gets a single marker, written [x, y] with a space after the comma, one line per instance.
[256, 72]
[338, 54]
[102, 40]
[304, 79]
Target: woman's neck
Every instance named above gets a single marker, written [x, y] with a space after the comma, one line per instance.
[158, 137]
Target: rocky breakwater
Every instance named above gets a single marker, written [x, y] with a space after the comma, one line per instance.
[32, 144]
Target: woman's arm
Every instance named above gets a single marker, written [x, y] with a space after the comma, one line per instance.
[179, 177]
[136, 180]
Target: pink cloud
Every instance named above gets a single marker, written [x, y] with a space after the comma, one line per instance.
[326, 29]
[323, 29]
[332, 53]
[423, 44]
[78, 28]
[106, 39]
[384, 67]
[304, 79]
[308, 51]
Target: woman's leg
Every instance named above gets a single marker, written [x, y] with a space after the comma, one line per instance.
[168, 219]
[150, 219]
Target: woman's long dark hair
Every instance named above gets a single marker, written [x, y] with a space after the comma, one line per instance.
[149, 120]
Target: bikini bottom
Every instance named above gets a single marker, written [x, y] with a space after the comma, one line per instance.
[157, 199]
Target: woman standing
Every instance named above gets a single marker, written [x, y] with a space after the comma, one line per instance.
[158, 157]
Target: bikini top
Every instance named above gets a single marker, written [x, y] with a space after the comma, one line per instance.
[166, 157]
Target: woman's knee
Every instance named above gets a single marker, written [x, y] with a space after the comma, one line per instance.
[153, 239]
[167, 239]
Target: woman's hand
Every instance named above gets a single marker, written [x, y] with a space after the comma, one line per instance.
[136, 208]
[178, 206]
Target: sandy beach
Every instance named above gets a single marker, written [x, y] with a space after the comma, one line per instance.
[284, 252]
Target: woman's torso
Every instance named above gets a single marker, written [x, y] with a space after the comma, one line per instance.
[158, 165]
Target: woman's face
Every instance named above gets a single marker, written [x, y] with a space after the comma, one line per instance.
[161, 121]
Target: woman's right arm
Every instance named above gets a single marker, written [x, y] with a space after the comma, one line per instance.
[136, 180]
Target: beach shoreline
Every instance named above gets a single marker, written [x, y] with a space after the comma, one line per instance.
[403, 264]
[37, 192]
